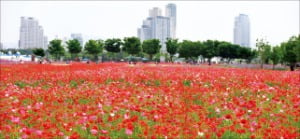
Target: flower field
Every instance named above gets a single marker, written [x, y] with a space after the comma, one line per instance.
[117, 100]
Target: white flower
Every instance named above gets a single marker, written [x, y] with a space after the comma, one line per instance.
[217, 110]
[200, 134]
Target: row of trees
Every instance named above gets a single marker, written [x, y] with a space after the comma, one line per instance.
[286, 53]
[186, 49]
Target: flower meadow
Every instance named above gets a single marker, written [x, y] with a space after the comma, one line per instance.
[117, 100]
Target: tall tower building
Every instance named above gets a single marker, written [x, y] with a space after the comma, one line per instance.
[31, 34]
[159, 27]
[171, 13]
[242, 30]
[155, 12]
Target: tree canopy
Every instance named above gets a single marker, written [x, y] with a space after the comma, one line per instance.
[172, 47]
[113, 45]
[132, 45]
[39, 52]
[151, 47]
[56, 49]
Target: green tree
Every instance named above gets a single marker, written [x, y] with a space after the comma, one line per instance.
[228, 51]
[210, 49]
[113, 45]
[276, 55]
[151, 47]
[94, 47]
[291, 50]
[56, 49]
[132, 45]
[245, 53]
[74, 47]
[172, 47]
[264, 51]
[190, 50]
[39, 52]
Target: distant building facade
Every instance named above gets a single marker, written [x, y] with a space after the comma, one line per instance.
[77, 36]
[31, 34]
[159, 27]
[171, 13]
[242, 30]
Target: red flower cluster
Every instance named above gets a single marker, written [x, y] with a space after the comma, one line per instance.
[114, 100]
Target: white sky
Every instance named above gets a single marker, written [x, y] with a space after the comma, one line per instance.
[196, 20]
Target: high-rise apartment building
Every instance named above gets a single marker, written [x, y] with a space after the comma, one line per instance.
[159, 27]
[31, 34]
[171, 13]
[242, 30]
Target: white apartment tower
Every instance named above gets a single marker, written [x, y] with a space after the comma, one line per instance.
[171, 13]
[31, 34]
[242, 30]
[159, 27]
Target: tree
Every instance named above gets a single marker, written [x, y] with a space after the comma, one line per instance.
[264, 51]
[227, 50]
[291, 51]
[39, 52]
[113, 45]
[151, 47]
[74, 47]
[276, 55]
[56, 49]
[172, 47]
[132, 45]
[94, 47]
[190, 50]
[210, 49]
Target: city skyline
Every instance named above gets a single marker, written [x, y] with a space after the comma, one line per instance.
[275, 21]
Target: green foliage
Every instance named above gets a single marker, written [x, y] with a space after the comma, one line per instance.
[172, 47]
[39, 52]
[264, 51]
[189, 49]
[210, 49]
[230, 135]
[276, 55]
[151, 47]
[291, 51]
[56, 49]
[94, 47]
[132, 45]
[74, 46]
[113, 45]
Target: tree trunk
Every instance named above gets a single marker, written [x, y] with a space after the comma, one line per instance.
[273, 66]
[151, 57]
[209, 61]
[171, 58]
[292, 67]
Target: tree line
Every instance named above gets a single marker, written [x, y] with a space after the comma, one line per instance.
[287, 52]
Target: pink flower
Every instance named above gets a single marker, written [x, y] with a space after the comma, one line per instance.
[15, 119]
[94, 131]
[128, 131]
[104, 131]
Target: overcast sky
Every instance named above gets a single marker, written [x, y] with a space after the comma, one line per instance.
[196, 20]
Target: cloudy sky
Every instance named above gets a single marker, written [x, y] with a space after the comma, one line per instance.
[275, 21]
